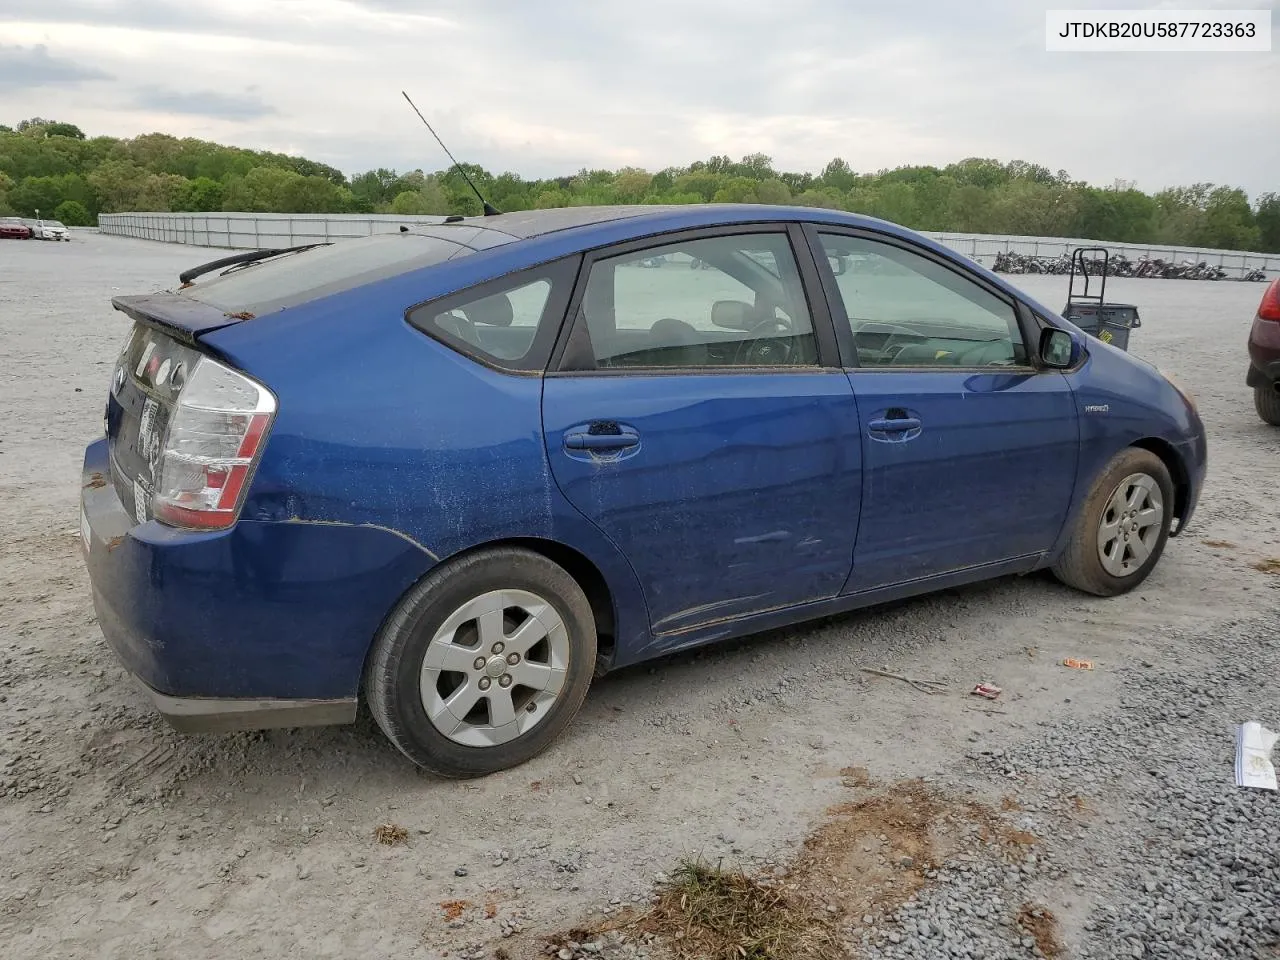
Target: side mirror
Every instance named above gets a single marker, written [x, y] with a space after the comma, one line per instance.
[1058, 349]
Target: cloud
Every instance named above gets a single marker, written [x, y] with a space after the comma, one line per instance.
[24, 67]
[205, 103]
[547, 88]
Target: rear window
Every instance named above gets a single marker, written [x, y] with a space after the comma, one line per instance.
[297, 278]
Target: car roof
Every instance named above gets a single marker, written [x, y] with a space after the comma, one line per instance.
[529, 224]
[476, 249]
[525, 224]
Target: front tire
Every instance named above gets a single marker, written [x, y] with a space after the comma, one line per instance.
[1266, 399]
[1122, 528]
[482, 664]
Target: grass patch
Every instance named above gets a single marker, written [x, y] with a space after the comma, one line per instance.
[708, 913]
[1270, 565]
[390, 834]
[867, 857]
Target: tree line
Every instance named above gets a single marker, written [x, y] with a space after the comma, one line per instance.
[54, 168]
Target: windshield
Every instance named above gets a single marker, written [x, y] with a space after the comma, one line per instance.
[296, 278]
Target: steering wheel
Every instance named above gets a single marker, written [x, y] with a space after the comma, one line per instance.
[874, 326]
[767, 345]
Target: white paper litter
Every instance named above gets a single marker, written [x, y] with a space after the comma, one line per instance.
[1254, 743]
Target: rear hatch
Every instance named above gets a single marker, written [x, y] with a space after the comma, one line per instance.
[165, 344]
[149, 374]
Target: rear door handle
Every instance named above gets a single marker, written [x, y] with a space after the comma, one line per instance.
[895, 426]
[600, 441]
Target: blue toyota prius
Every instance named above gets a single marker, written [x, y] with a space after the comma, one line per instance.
[463, 468]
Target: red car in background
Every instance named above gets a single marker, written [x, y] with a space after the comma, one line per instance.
[14, 230]
[1264, 356]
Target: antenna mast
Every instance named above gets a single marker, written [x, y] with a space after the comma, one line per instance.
[489, 209]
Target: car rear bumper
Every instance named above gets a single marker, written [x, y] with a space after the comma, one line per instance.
[1264, 352]
[1263, 375]
[265, 624]
[211, 715]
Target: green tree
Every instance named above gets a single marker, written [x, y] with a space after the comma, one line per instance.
[45, 164]
[631, 184]
[1228, 222]
[122, 185]
[702, 182]
[1267, 219]
[35, 193]
[737, 190]
[64, 130]
[1033, 208]
[970, 210]
[73, 213]
[819, 198]
[837, 175]
[202, 194]
[772, 190]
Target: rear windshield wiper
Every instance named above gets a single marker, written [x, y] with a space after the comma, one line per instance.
[251, 256]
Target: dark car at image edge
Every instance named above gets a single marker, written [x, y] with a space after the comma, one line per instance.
[457, 471]
[1264, 356]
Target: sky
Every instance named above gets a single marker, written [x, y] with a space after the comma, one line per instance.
[546, 87]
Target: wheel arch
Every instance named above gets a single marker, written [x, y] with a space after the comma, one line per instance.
[583, 570]
[1173, 461]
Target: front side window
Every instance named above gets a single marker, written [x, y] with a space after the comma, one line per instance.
[732, 301]
[907, 310]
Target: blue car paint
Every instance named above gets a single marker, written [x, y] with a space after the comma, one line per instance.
[1124, 401]
[988, 476]
[398, 468]
[772, 457]
[259, 610]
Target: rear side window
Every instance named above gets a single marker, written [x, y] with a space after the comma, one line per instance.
[510, 323]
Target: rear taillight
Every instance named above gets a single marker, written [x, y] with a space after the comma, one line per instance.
[216, 431]
[1269, 309]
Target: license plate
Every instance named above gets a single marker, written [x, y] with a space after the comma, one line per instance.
[139, 502]
[86, 537]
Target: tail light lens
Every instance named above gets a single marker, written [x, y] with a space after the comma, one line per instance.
[217, 429]
[1269, 309]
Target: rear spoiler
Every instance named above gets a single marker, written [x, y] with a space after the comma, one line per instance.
[180, 317]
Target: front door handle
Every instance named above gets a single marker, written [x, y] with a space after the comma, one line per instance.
[901, 425]
[599, 441]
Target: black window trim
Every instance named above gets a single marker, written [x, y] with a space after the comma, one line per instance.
[840, 318]
[573, 355]
[561, 273]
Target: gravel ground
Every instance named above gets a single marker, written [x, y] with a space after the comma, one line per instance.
[119, 838]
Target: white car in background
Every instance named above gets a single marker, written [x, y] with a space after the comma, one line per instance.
[49, 230]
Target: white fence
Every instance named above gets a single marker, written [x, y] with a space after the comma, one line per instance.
[248, 231]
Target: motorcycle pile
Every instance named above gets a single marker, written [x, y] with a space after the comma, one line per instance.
[1120, 266]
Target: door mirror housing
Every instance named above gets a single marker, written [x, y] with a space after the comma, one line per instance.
[1058, 349]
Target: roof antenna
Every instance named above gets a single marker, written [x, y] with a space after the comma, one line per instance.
[489, 209]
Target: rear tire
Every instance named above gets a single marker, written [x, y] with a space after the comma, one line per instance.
[482, 664]
[1122, 528]
[1266, 399]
